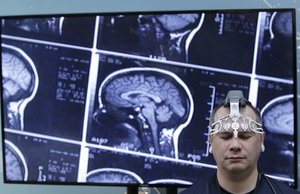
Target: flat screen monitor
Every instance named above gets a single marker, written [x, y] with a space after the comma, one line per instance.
[125, 98]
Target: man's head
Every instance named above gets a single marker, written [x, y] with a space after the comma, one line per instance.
[236, 134]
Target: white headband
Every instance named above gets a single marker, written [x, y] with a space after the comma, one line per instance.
[244, 124]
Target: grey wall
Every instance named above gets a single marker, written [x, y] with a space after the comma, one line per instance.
[21, 7]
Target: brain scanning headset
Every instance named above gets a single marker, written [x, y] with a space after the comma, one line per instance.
[235, 120]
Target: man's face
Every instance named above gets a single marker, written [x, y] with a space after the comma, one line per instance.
[236, 154]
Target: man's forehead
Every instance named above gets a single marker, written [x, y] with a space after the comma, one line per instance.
[225, 111]
[246, 120]
[223, 131]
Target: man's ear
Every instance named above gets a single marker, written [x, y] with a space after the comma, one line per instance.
[262, 143]
[263, 138]
[210, 139]
[210, 150]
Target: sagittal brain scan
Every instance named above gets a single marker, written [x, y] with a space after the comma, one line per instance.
[144, 108]
[127, 99]
[17, 168]
[19, 80]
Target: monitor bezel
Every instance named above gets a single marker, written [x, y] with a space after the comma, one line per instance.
[128, 13]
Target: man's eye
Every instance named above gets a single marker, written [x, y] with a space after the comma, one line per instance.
[226, 136]
[245, 136]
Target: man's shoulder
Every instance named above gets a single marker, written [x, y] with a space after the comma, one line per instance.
[196, 188]
[210, 187]
[202, 187]
[283, 187]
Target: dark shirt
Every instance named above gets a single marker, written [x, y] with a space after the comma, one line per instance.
[265, 185]
[223, 191]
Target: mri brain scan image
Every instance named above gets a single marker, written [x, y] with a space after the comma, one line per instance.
[278, 117]
[51, 26]
[19, 80]
[113, 176]
[278, 122]
[15, 161]
[150, 108]
[162, 36]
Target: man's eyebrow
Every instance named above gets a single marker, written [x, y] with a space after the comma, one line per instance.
[225, 132]
[239, 132]
[246, 132]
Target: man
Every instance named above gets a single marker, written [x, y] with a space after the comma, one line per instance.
[237, 139]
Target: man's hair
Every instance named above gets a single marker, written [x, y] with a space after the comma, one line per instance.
[248, 103]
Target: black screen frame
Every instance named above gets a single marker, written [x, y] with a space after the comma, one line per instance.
[292, 10]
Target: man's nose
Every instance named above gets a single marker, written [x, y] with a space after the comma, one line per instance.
[235, 145]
